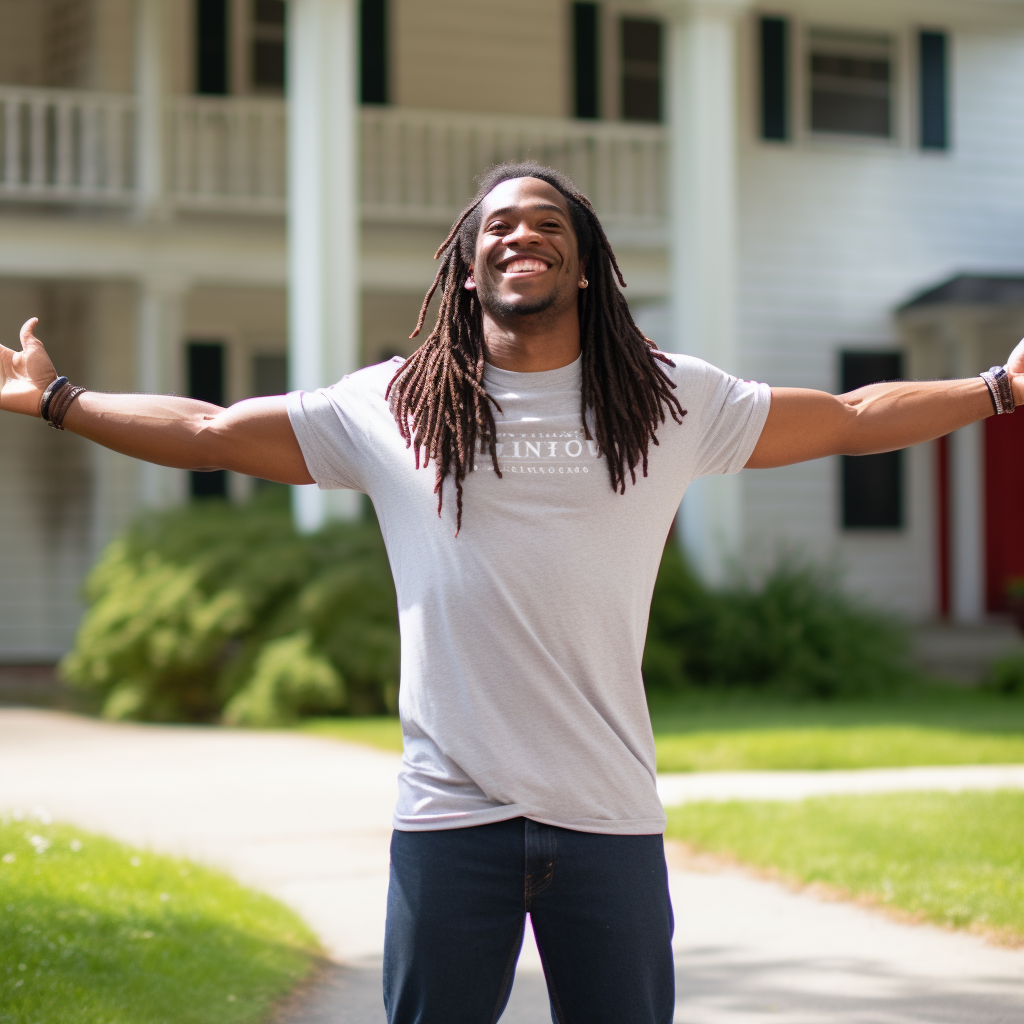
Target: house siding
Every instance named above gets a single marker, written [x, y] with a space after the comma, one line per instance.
[482, 55]
[833, 237]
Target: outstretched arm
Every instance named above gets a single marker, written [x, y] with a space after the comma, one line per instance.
[253, 437]
[804, 424]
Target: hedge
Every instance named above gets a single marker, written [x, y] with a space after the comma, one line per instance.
[219, 612]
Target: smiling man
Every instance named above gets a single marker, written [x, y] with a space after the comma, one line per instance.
[550, 446]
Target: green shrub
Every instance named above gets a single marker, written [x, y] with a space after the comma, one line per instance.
[1006, 675]
[218, 610]
[797, 635]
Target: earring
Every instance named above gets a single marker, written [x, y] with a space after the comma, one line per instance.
[584, 283]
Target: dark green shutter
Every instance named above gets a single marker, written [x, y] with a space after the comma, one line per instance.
[774, 79]
[872, 484]
[586, 60]
[211, 28]
[373, 39]
[933, 59]
[206, 383]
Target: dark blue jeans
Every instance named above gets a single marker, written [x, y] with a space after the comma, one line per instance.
[457, 905]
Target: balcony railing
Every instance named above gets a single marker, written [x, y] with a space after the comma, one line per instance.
[229, 155]
[421, 164]
[66, 146]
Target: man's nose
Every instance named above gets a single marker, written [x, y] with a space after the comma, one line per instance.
[522, 234]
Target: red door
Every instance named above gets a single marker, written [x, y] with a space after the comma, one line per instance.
[1004, 505]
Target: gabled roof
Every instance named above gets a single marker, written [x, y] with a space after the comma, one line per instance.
[972, 290]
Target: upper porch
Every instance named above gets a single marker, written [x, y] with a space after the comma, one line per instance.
[77, 150]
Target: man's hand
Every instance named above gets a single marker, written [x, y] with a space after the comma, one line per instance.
[25, 375]
[1015, 368]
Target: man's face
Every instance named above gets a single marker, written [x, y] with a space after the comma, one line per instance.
[526, 257]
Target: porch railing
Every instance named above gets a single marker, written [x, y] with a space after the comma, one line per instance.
[66, 145]
[229, 155]
[421, 164]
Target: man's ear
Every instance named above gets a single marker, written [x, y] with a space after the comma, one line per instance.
[470, 284]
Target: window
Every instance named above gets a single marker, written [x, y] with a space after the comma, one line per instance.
[872, 484]
[774, 79]
[268, 23]
[373, 49]
[641, 70]
[211, 47]
[586, 64]
[67, 42]
[933, 89]
[206, 382]
[851, 83]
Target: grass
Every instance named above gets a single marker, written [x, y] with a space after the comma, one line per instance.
[723, 732]
[101, 933]
[951, 858]
[930, 725]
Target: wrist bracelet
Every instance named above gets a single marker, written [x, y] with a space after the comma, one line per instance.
[57, 399]
[55, 386]
[999, 389]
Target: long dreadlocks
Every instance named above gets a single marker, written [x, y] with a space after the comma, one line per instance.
[438, 397]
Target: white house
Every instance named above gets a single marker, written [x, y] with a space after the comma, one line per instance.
[812, 192]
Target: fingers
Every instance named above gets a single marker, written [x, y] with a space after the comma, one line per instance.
[1015, 364]
[27, 333]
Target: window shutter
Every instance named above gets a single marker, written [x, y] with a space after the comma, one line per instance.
[206, 382]
[585, 41]
[373, 51]
[872, 484]
[211, 26]
[934, 90]
[774, 79]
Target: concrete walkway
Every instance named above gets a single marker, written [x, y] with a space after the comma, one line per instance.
[308, 821]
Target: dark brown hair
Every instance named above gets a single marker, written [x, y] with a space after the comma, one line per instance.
[438, 396]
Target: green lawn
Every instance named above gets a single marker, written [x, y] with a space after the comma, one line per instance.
[100, 933]
[930, 726]
[838, 746]
[952, 858]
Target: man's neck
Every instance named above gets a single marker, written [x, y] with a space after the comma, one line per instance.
[532, 343]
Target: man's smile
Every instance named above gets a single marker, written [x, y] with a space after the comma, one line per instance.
[520, 265]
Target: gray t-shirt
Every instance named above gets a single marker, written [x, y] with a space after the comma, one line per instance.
[521, 692]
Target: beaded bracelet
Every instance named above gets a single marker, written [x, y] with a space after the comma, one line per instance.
[998, 381]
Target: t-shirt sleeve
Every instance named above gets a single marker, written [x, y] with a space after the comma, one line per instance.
[330, 427]
[733, 413]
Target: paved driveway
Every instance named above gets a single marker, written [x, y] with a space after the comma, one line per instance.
[308, 821]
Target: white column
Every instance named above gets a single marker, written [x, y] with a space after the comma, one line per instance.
[702, 116]
[158, 369]
[323, 235]
[967, 508]
[966, 489]
[151, 108]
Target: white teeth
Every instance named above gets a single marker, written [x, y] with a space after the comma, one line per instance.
[524, 266]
